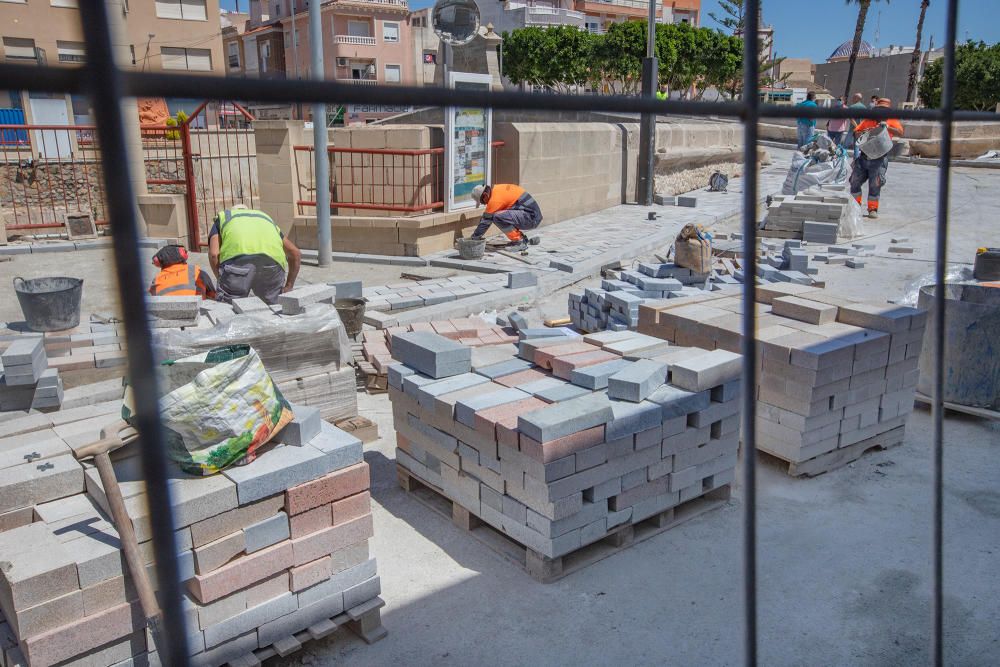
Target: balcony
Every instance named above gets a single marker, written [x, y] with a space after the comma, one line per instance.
[522, 15]
[354, 39]
[631, 8]
[393, 4]
[358, 82]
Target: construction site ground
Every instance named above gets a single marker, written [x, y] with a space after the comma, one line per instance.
[844, 558]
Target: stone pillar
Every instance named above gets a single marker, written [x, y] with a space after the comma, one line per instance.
[279, 186]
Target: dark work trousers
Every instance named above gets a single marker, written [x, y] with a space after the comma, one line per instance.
[240, 276]
[511, 222]
[872, 171]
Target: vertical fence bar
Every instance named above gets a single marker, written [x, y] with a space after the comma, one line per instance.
[940, 267]
[194, 226]
[751, 104]
[105, 95]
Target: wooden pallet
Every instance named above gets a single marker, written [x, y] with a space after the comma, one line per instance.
[984, 413]
[365, 621]
[542, 568]
[838, 458]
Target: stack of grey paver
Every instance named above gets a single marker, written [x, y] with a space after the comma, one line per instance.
[26, 381]
[554, 463]
[173, 311]
[824, 207]
[415, 294]
[615, 306]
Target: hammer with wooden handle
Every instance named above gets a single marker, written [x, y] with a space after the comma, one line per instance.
[115, 436]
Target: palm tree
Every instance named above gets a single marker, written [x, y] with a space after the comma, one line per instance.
[911, 86]
[859, 30]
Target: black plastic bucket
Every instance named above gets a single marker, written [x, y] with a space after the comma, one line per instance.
[50, 304]
[987, 265]
[352, 314]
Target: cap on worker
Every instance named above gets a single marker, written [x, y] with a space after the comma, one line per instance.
[884, 102]
[477, 194]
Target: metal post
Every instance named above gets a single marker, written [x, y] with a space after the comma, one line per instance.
[940, 266]
[105, 87]
[751, 102]
[324, 235]
[295, 57]
[647, 128]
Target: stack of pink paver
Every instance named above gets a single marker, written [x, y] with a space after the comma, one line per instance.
[266, 551]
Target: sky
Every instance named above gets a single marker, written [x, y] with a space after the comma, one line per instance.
[814, 28]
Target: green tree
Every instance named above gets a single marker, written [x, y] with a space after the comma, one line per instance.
[859, 29]
[733, 16]
[619, 53]
[977, 78]
[911, 85]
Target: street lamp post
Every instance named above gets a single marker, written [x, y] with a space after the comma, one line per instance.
[647, 128]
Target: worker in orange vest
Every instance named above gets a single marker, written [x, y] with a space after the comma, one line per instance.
[872, 169]
[511, 209]
[177, 277]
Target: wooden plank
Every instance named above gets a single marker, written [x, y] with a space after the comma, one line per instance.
[547, 570]
[558, 322]
[984, 413]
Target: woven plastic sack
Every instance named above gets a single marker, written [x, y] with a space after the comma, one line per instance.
[806, 172]
[219, 407]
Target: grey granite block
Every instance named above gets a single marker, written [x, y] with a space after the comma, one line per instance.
[638, 380]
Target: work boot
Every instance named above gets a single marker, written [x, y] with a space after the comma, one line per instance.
[521, 244]
[873, 214]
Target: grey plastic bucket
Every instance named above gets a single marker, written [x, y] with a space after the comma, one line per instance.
[50, 304]
[876, 142]
[352, 314]
[471, 248]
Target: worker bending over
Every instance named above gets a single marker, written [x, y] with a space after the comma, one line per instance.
[248, 253]
[177, 277]
[511, 209]
[869, 169]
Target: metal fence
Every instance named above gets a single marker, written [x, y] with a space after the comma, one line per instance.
[104, 82]
[405, 181]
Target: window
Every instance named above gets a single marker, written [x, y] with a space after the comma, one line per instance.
[63, 3]
[359, 28]
[71, 52]
[194, 60]
[417, 21]
[265, 55]
[18, 48]
[234, 55]
[390, 31]
[392, 73]
[187, 10]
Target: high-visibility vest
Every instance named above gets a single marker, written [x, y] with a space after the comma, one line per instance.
[249, 232]
[178, 280]
[507, 196]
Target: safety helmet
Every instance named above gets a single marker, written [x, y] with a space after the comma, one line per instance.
[477, 194]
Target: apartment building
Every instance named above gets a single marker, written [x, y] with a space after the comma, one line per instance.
[599, 14]
[160, 35]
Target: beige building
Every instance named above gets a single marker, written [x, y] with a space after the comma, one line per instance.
[161, 35]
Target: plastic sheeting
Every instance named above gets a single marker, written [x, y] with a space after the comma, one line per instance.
[825, 163]
[911, 293]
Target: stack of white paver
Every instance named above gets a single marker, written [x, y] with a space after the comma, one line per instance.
[570, 440]
[834, 374]
[266, 550]
[26, 381]
[818, 212]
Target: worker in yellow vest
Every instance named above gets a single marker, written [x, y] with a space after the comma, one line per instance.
[248, 253]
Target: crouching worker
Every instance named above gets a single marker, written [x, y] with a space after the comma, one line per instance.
[177, 277]
[511, 209]
[248, 253]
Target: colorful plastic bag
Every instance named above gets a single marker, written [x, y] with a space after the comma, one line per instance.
[218, 408]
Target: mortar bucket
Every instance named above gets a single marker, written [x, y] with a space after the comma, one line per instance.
[352, 314]
[876, 142]
[50, 304]
[471, 248]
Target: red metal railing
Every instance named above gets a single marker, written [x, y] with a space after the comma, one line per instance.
[408, 181]
[47, 171]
